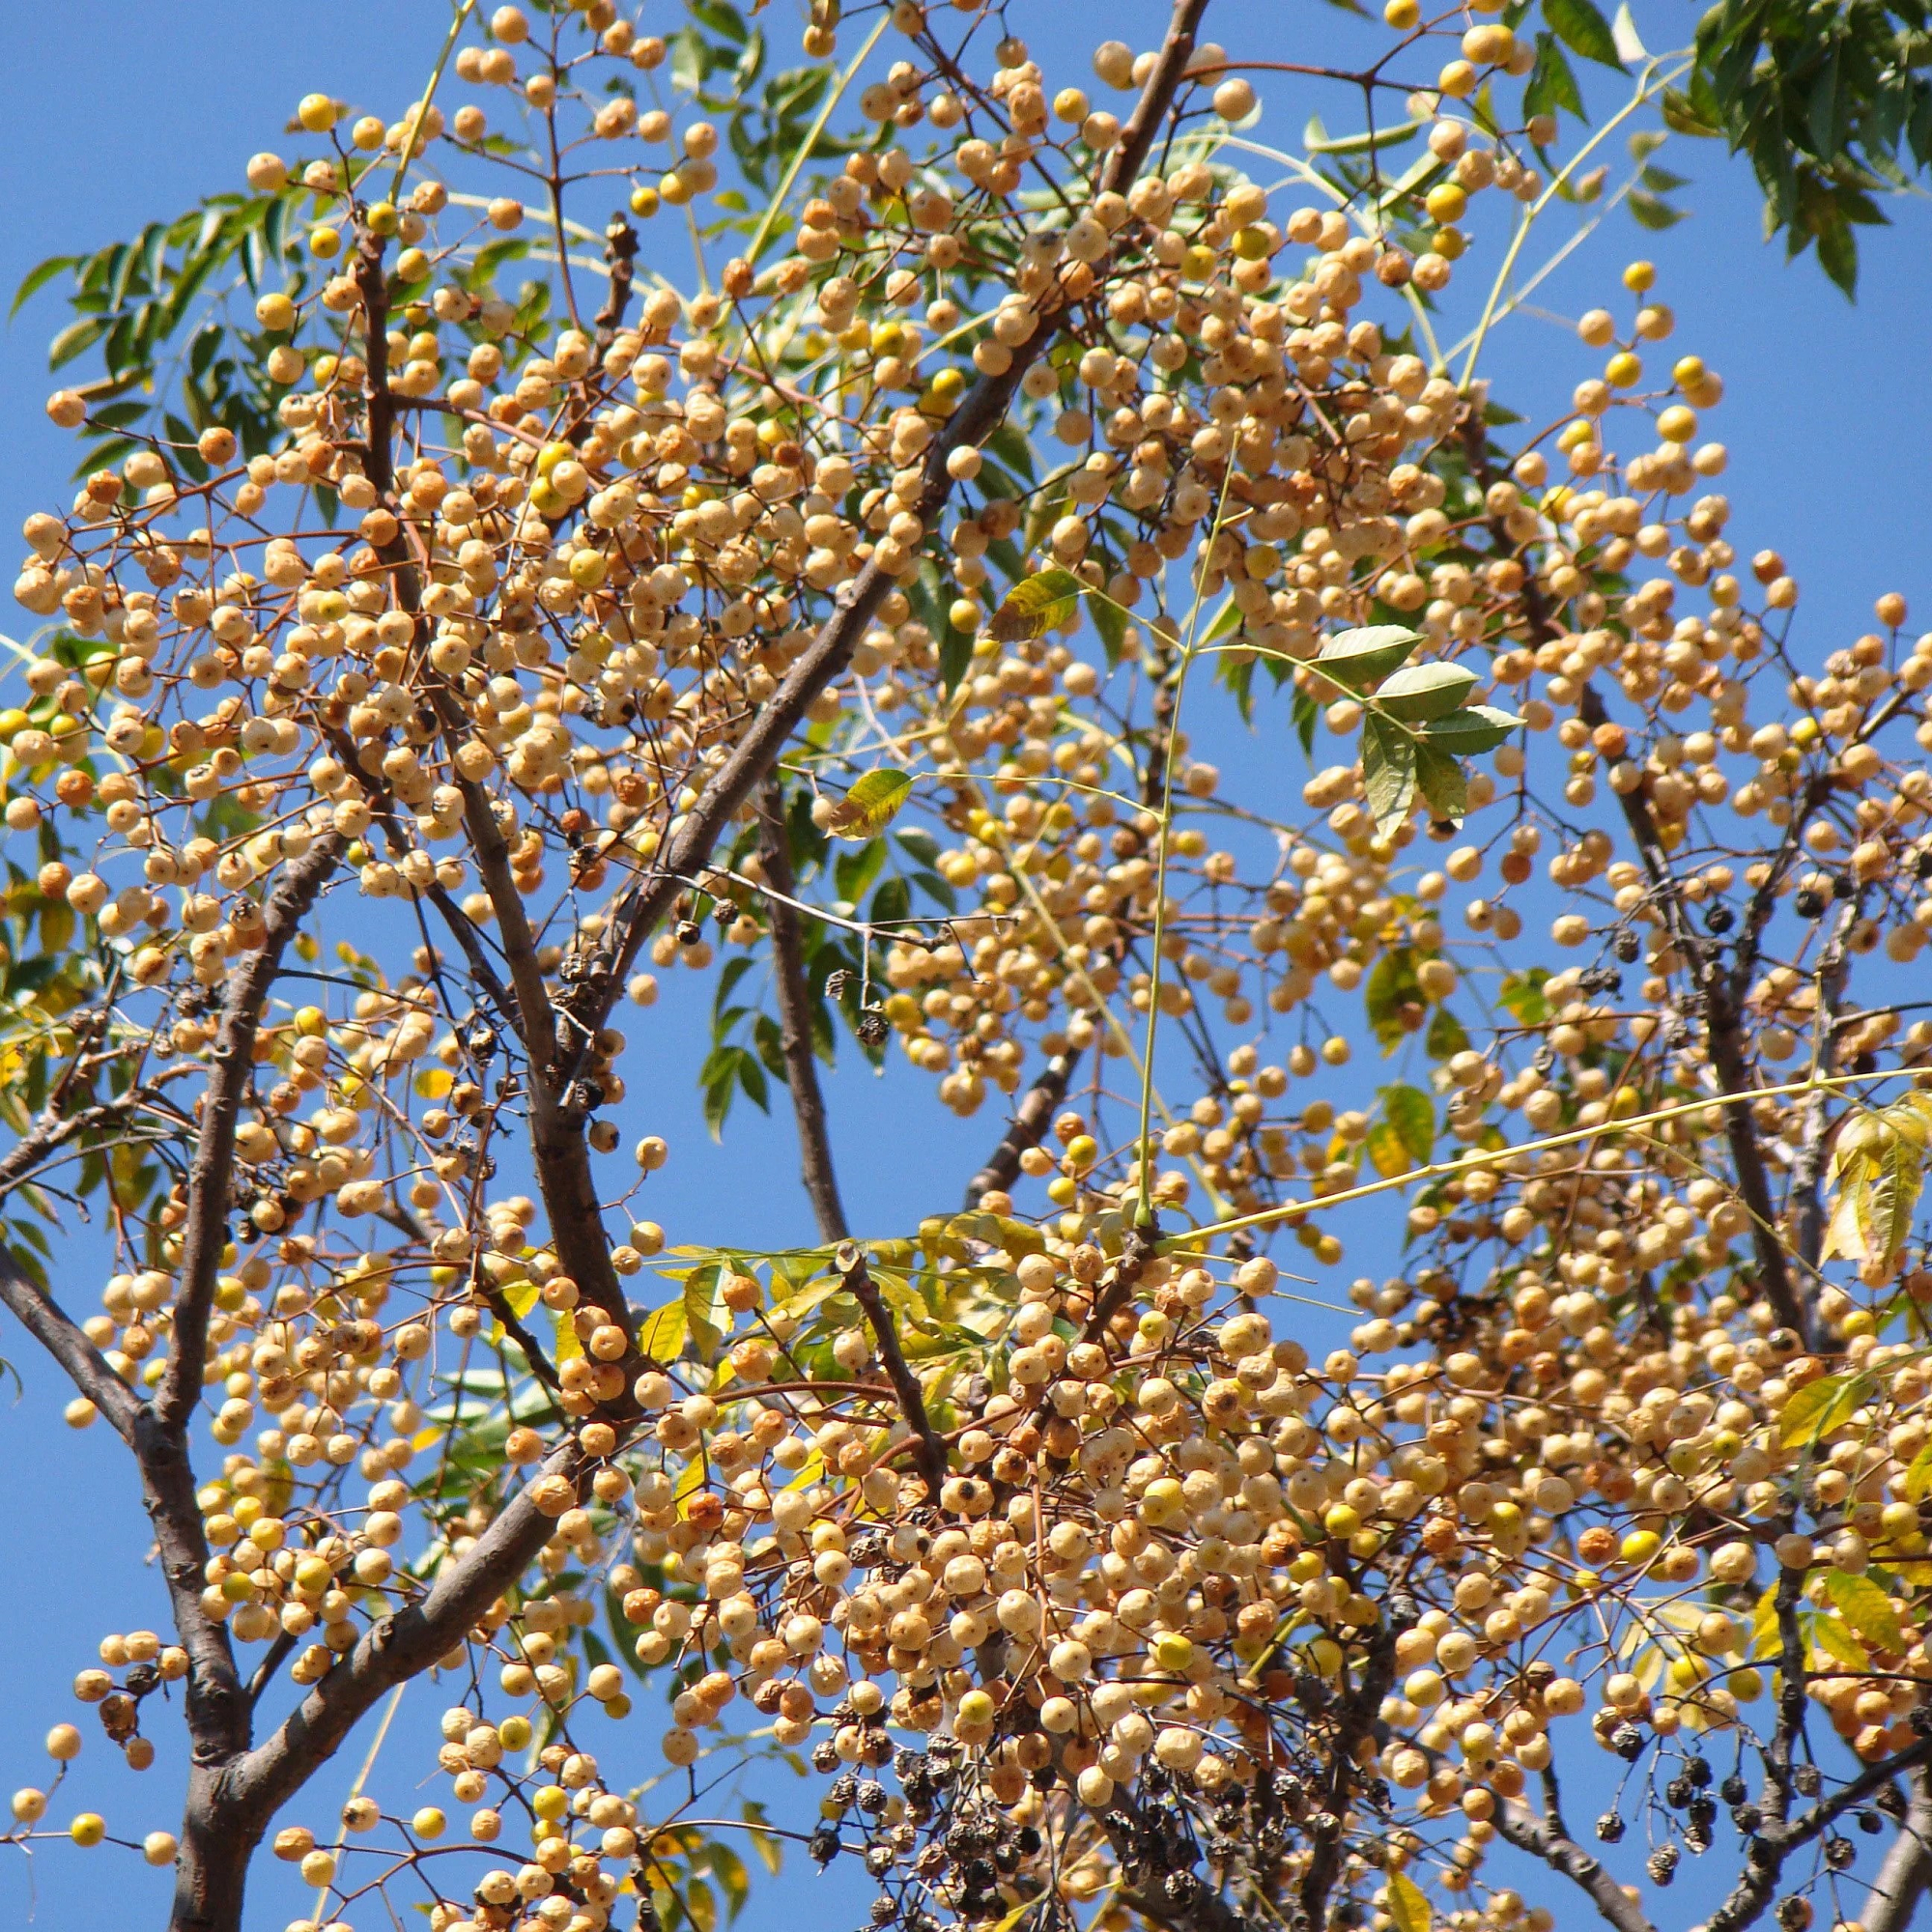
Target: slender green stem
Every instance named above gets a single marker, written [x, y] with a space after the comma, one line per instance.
[422, 107]
[1144, 1207]
[1488, 1157]
[1653, 80]
[803, 154]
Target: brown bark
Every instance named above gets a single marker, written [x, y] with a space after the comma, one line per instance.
[808, 1096]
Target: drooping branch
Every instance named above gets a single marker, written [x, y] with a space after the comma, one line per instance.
[1029, 1122]
[213, 1170]
[928, 1451]
[1541, 1838]
[807, 1099]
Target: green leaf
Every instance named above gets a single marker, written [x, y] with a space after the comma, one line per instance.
[1355, 659]
[1819, 1407]
[1419, 692]
[36, 278]
[1651, 211]
[1406, 1905]
[1866, 1608]
[1390, 988]
[1552, 83]
[1446, 1036]
[1578, 25]
[1035, 605]
[700, 1288]
[870, 806]
[1388, 770]
[1464, 734]
[1442, 783]
[1412, 1113]
[1521, 995]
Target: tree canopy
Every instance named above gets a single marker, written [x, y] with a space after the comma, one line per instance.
[802, 600]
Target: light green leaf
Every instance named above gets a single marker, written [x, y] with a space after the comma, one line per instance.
[1412, 1113]
[1408, 1907]
[1418, 693]
[1357, 659]
[1482, 727]
[1388, 770]
[1819, 1407]
[1866, 1608]
[662, 1337]
[1035, 605]
[1833, 1640]
[1442, 783]
[870, 806]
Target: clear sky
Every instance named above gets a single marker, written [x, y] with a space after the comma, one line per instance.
[117, 112]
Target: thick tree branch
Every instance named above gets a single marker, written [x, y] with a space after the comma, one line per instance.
[807, 1099]
[1907, 1869]
[1542, 1839]
[1031, 1120]
[231, 1806]
[928, 1451]
[61, 1336]
[213, 1171]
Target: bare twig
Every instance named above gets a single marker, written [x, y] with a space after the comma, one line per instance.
[1545, 1840]
[807, 1099]
[929, 1451]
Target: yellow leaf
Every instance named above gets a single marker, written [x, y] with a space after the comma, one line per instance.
[1406, 1905]
[521, 1296]
[569, 1345]
[662, 1337]
[1919, 1477]
[1832, 1639]
[1035, 605]
[1866, 1608]
[434, 1082]
[1819, 1407]
[870, 806]
[1889, 1203]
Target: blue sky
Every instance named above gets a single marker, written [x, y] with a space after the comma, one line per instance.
[117, 113]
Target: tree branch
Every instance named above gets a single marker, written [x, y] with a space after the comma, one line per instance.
[807, 1099]
[231, 1806]
[929, 1451]
[1907, 1868]
[1541, 1840]
[61, 1336]
[1029, 1122]
[212, 1172]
